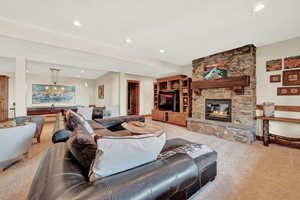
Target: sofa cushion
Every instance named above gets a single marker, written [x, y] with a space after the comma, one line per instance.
[61, 136]
[86, 112]
[83, 147]
[95, 126]
[75, 121]
[137, 150]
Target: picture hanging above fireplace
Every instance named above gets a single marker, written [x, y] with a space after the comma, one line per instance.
[215, 71]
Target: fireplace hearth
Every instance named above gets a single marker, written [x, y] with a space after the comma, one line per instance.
[218, 110]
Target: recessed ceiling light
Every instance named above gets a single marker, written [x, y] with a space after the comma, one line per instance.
[258, 7]
[162, 51]
[82, 71]
[128, 40]
[77, 23]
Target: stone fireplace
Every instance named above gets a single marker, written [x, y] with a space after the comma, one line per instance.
[218, 110]
[224, 112]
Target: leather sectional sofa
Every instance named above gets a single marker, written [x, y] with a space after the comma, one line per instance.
[174, 175]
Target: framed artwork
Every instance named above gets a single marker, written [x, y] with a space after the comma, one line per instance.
[101, 92]
[216, 71]
[274, 65]
[275, 78]
[291, 78]
[288, 91]
[292, 62]
[52, 94]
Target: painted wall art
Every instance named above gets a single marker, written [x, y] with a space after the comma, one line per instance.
[216, 71]
[274, 65]
[292, 62]
[291, 77]
[288, 91]
[275, 78]
[101, 92]
[52, 94]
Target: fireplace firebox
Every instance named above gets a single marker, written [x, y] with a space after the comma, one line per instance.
[218, 110]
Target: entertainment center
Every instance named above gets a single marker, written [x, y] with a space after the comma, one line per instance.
[172, 99]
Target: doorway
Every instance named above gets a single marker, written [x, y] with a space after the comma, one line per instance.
[133, 97]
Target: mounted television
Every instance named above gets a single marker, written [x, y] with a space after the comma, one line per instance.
[169, 101]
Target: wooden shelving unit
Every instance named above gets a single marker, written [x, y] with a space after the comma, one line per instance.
[155, 96]
[179, 83]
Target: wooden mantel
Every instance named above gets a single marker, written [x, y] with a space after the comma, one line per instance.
[237, 83]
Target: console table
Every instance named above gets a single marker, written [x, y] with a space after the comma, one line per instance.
[49, 110]
[268, 137]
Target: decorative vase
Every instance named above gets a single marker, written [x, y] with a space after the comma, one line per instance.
[269, 109]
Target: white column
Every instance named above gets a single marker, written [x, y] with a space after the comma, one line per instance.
[122, 94]
[20, 86]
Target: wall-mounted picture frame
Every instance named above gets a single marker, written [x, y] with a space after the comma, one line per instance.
[274, 65]
[291, 78]
[275, 78]
[216, 71]
[288, 91]
[292, 62]
[101, 92]
[50, 94]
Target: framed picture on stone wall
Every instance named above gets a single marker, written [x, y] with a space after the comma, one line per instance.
[216, 71]
[274, 65]
[292, 62]
[275, 78]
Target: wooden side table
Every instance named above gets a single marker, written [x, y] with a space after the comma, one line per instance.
[279, 139]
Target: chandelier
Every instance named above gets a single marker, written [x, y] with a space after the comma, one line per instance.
[54, 75]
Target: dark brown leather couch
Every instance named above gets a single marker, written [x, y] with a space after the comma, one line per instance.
[175, 177]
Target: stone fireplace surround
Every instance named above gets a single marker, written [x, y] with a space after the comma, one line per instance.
[241, 61]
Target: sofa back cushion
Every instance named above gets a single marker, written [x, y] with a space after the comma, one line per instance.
[86, 112]
[119, 154]
[83, 147]
[75, 121]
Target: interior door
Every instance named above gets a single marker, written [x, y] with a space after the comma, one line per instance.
[133, 97]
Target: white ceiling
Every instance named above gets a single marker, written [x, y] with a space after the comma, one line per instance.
[185, 29]
[39, 68]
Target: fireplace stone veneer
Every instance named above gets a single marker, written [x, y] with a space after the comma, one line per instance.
[240, 62]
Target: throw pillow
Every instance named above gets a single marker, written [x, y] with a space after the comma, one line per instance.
[75, 121]
[137, 150]
[83, 147]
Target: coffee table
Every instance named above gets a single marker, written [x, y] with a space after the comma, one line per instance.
[139, 128]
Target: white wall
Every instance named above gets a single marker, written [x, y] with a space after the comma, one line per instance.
[83, 95]
[146, 93]
[111, 84]
[115, 91]
[267, 92]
